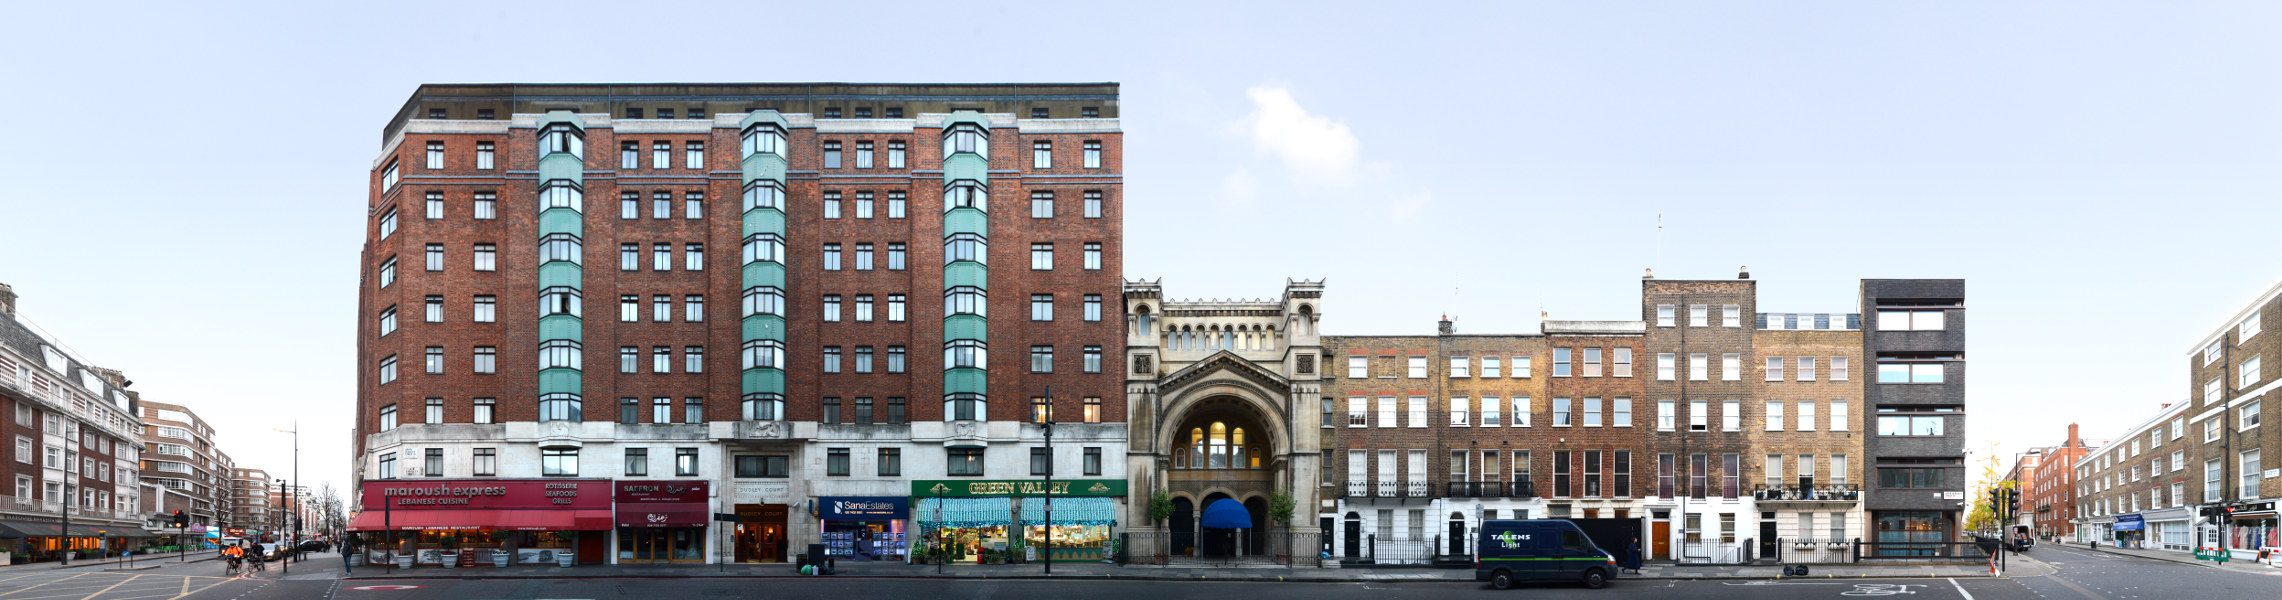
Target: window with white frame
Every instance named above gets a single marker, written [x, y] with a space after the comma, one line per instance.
[1459, 415]
[1491, 367]
[1417, 410]
[1666, 315]
[1620, 413]
[2211, 390]
[1458, 366]
[1358, 367]
[2248, 415]
[1666, 366]
[1806, 368]
[1806, 416]
[1387, 412]
[1731, 415]
[1699, 367]
[1774, 368]
[1521, 410]
[1417, 366]
[1358, 412]
[2247, 374]
[1838, 416]
[1699, 315]
[1731, 367]
[1731, 315]
[1838, 368]
[1490, 416]
[1666, 415]
[1774, 416]
[1521, 367]
[2249, 327]
[2211, 353]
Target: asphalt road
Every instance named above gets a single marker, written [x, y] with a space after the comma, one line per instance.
[2052, 573]
[2081, 574]
[846, 588]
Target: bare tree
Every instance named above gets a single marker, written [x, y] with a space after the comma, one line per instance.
[330, 517]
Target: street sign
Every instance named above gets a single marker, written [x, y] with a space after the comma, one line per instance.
[725, 517]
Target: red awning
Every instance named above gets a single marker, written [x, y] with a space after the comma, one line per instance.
[664, 514]
[528, 520]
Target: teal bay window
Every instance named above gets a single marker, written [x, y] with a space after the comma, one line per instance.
[562, 138]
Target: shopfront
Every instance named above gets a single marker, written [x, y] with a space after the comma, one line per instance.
[983, 520]
[477, 522]
[2130, 531]
[865, 527]
[33, 541]
[760, 535]
[662, 521]
[2253, 528]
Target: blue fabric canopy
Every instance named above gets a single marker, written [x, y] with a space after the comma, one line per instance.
[1070, 511]
[1226, 514]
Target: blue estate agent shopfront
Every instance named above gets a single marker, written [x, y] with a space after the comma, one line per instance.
[865, 527]
[967, 517]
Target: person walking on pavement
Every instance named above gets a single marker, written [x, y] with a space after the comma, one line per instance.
[1632, 556]
[344, 558]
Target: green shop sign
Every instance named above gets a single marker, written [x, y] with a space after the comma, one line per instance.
[986, 488]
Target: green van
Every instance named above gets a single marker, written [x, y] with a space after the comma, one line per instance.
[1539, 550]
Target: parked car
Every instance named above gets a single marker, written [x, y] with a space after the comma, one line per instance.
[1539, 550]
[314, 546]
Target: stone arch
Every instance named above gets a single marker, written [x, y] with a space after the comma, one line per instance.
[1251, 398]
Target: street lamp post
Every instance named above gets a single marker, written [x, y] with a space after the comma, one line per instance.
[296, 431]
[65, 508]
[286, 565]
[1049, 424]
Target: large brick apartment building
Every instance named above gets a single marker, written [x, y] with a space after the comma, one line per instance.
[2196, 474]
[75, 442]
[655, 303]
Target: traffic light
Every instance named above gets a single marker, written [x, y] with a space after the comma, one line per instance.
[181, 520]
[2013, 502]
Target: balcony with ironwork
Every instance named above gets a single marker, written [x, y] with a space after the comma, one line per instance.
[1523, 489]
[1364, 490]
[1827, 493]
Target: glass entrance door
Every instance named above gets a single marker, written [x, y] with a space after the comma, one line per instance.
[678, 544]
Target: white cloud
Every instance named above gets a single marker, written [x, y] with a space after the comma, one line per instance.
[1315, 148]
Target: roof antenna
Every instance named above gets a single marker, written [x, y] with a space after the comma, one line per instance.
[1659, 243]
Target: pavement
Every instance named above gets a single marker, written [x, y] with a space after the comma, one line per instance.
[2057, 572]
[2246, 566]
[1102, 571]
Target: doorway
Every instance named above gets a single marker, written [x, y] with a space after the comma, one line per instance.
[761, 533]
[1660, 537]
[677, 544]
[1257, 545]
[1184, 527]
[1767, 545]
[1458, 546]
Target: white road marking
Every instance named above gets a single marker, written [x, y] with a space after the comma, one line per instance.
[1960, 589]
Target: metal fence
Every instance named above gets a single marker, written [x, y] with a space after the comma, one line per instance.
[1714, 552]
[1944, 551]
[1163, 547]
[1810, 551]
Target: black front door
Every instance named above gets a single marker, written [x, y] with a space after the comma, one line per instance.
[1326, 524]
[1767, 545]
[1184, 527]
[1458, 537]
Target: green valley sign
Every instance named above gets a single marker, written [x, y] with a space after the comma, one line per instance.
[986, 488]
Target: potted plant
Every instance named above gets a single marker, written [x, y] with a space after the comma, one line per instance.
[1280, 507]
[499, 558]
[1161, 509]
[565, 558]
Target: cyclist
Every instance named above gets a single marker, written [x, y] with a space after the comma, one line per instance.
[233, 556]
[261, 562]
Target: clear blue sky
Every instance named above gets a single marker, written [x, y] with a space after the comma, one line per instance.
[182, 185]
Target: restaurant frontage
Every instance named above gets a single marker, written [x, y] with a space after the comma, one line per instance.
[465, 523]
[761, 533]
[662, 521]
[989, 520]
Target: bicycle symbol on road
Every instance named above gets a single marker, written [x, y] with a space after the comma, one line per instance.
[1878, 589]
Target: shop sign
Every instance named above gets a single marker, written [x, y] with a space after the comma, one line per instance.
[981, 488]
[661, 491]
[864, 508]
[486, 494]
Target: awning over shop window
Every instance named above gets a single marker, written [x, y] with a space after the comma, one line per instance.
[1070, 511]
[964, 512]
[24, 529]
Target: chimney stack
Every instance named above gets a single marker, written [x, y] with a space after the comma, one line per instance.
[7, 300]
[1445, 327]
[2072, 435]
[1743, 272]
